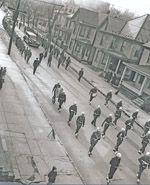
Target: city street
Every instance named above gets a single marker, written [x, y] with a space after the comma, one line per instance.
[94, 169]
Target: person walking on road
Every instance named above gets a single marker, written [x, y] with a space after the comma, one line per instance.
[120, 137]
[68, 62]
[115, 161]
[128, 126]
[119, 104]
[49, 60]
[72, 112]
[59, 62]
[95, 137]
[146, 128]
[144, 162]
[145, 142]
[40, 57]
[55, 92]
[97, 113]
[29, 54]
[93, 94]
[36, 63]
[61, 100]
[81, 72]
[80, 123]
[52, 175]
[107, 122]
[117, 116]
[108, 97]
[134, 117]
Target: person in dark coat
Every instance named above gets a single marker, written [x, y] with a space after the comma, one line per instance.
[45, 54]
[80, 123]
[119, 104]
[49, 60]
[61, 99]
[95, 137]
[115, 161]
[68, 62]
[72, 112]
[108, 97]
[97, 113]
[128, 126]
[81, 72]
[113, 81]
[63, 60]
[36, 63]
[25, 53]
[40, 57]
[146, 128]
[144, 163]
[29, 54]
[52, 175]
[50, 48]
[117, 116]
[59, 62]
[120, 137]
[145, 142]
[107, 122]
[93, 94]
[109, 76]
[134, 117]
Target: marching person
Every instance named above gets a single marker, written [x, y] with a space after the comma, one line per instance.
[145, 141]
[49, 60]
[97, 113]
[68, 62]
[120, 137]
[93, 94]
[117, 116]
[144, 163]
[36, 63]
[115, 161]
[72, 112]
[52, 175]
[108, 97]
[55, 92]
[59, 61]
[80, 122]
[95, 137]
[40, 57]
[81, 72]
[29, 54]
[119, 104]
[61, 99]
[134, 117]
[128, 126]
[146, 128]
[107, 122]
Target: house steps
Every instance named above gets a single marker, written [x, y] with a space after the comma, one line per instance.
[138, 101]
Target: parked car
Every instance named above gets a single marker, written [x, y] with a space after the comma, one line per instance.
[30, 39]
[146, 105]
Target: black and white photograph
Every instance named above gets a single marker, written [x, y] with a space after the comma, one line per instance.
[74, 92]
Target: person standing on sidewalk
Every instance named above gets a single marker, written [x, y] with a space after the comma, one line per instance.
[61, 100]
[97, 113]
[120, 137]
[93, 94]
[72, 112]
[128, 126]
[117, 116]
[108, 97]
[107, 122]
[68, 62]
[134, 117]
[144, 163]
[40, 57]
[81, 72]
[49, 60]
[145, 142]
[52, 175]
[115, 161]
[95, 137]
[36, 63]
[80, 123]
[146, 128]
[119, 104]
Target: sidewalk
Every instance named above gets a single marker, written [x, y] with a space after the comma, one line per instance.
[92, 77]
[25, 129]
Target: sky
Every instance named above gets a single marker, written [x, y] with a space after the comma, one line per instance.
[139, 7]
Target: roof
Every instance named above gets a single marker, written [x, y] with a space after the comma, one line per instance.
[147, 45]
[87, 16]
[137, 29]
[142, 69]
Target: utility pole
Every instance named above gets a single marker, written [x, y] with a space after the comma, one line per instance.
[13, 28]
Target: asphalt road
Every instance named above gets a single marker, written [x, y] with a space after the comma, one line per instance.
[93, 169]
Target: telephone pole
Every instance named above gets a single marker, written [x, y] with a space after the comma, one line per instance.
[16, 12]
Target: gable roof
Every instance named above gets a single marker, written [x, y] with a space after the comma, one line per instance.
[87, 16]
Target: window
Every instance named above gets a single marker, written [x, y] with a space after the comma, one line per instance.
[82, 31]
[141, 79]
[148, 60]
[88, 33]
[138, 52]
[67, 22]
[75, 29]
[77, 48]
[104, 39]
[98, 55]
[87, 52]
[71, 44]
[116, 44]
[105, 57]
